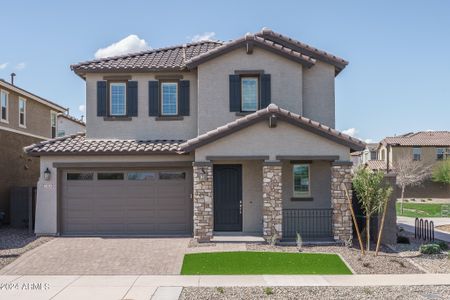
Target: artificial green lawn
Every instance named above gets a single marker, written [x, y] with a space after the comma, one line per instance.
[419, 210]
[244, 263]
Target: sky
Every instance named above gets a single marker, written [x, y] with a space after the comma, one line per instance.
[398, 79]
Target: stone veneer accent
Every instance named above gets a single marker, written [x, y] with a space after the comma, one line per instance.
[272, 201]
[341, 176]
[203, 201]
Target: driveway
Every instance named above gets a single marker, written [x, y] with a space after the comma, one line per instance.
[102, 256]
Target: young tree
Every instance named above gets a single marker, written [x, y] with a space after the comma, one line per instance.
[410, 173]
[442, 172]
[372, 194]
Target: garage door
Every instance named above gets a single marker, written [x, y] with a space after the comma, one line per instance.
[149, 202]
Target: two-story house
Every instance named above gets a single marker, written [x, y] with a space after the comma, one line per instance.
[201, 139]
[25, 118]
[428, 147]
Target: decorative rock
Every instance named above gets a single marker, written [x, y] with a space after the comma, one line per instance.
[272, 202]
[341, 177]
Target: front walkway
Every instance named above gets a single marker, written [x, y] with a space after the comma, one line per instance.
[407, 224]
[145, 287]
[102, 256]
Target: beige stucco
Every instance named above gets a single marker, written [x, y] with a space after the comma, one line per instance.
[285, 139]
[66, 126]
[143, 126]
[213, 84]
[46, 205]
[396, 153]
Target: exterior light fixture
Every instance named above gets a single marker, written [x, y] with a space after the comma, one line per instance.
[47, 174]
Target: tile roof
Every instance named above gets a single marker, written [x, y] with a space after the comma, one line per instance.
[421, 138]
[284, 115]
[163, 59]
[182, 57]
[79, 144]
[376, 164]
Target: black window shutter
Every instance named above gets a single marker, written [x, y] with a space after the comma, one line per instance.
[235, 93]
[153, 98]
[265, 90]
[183, 98]
[101, 99]
[132, 98]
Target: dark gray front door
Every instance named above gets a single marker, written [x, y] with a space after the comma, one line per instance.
[227, 197]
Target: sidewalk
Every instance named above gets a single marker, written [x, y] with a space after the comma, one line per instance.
[407, 223]
[156, 287]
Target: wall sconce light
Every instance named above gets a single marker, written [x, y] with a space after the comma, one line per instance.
[47, 174]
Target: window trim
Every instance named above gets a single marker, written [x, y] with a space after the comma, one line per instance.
[161, 83]
[420, 154]
[7, 107]
[24, 125]
[110, 83]
[301, 194]
[258, 91]
[53, 113]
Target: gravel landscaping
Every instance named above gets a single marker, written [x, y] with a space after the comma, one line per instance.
[378, 292]
[15, 242]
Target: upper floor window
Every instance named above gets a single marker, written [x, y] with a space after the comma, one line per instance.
[417, 153]
[373, 155]
[249, 93]
[440, 153]
[118, 98]
[22, 112]
[4, 105]
[169, 98]
[301, 180]
[53, 122]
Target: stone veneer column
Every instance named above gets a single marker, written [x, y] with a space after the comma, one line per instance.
[341, 176]
[272, 201]
[203, 201]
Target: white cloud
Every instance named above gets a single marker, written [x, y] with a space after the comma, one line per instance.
[203, 37]
[20, 66]
[82, 108]
[3, 66]
[350, 131]
[130, 44]
[367, 141]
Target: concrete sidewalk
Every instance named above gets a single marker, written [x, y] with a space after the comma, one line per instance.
[169, 286]
[408, 223]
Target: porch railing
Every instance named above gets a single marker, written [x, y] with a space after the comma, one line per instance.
[311, 224]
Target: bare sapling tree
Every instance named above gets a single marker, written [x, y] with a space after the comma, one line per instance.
[410, 173]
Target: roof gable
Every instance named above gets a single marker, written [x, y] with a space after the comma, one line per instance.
[421, 138]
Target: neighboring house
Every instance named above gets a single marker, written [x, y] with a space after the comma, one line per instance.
[428, 147]
[368, 157]
[200, 139]
[68, 125]
[24, 118]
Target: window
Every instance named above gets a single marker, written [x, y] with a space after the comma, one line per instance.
[383, 154]
[61, 133]
[110, 176]
[169, 98]
[373, 155]
[417, 153]
[142, 176]
[301, 181]
[53, 121]
[22, 112]
[80, 176]
[4, 103]
[249, 93]
[172, 175]
[440, 153]
[118, 98]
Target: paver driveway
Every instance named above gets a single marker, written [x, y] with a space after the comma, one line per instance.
[102, 256]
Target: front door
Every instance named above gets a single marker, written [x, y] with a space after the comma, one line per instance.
[227, 197]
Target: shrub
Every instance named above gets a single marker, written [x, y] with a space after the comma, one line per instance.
[220, 290]
[443, 245]
[402, 239]
[268, 291]
[430, 249]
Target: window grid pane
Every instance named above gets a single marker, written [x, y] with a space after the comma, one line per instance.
[249, 94]
[417, 153]
[4, 100]
[21, 112]
[301, 180]
[118, 106]
[169, 98]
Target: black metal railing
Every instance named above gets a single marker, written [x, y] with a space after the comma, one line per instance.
[424, 230]
[311, 224]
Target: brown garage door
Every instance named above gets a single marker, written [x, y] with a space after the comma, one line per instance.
[153, 202]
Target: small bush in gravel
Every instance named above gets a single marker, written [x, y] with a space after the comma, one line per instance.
[220, 290]
[430, 249]
[268, 291]
[443, 245]
[402, 239]
[366, 264]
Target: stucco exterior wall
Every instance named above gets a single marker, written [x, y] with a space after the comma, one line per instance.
[428, 154]
[46, 204]
[143, 126]
[213, 84]
[285, 139]
[318, 93]
[68, 127]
